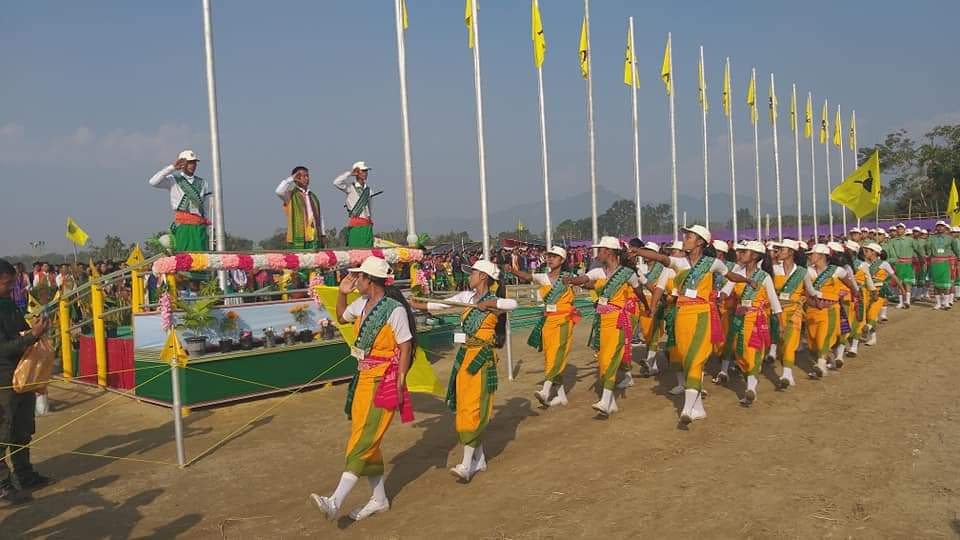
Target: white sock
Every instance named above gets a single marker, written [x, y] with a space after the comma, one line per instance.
[854, 344]
[651, 359]
[690, 397]
[838, 351]
[378, 487]
[901, 299]
[724, 366]
[908, 297]
[561, 392]
[606, 398]
[787, 374]
[467, 456]
[347, 481]
[883, 312]
[478, 455]
[547, 386]
[939, 301]
[681, 379]
[698, 405]
[752, 383]
[773, 350]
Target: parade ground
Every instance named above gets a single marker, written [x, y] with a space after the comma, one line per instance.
[869, 452]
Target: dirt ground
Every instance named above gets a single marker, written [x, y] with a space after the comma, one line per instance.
[869, 452]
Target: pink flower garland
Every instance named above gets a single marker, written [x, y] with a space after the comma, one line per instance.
[291, 261]
[275, 261]
[166, 312]
[315, 281]
[322, 260]
[166, 265]
[230, 262]
[245, 263]
[184, 262]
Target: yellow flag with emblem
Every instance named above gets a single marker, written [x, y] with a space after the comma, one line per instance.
[666, 70]
[172, 350]
[536, 34]
[837, 131]
[853, 133]
[702, 88]
[953, 205]
[773, 104]
[752, 98]
[726, 88]
[75, 234]
[136, 256]
[630, 77]
[860, 191]
[584, 50]
[808, 119]
[468, 20]
[824, 123]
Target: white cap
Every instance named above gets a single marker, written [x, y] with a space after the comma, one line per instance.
[700, 231]
[790, 244]
[720, 245]
[893, 227]
[678, 245]
[803, 245]
[835, 247]
[771, 244]
[900, 225]
[955, 229]
[188, 155]
[608, 242]
[558, 251]
[374, 267]
[917, 229]
[362, 165]
[855, 230]
[754, 246]
[943, 223]
[875, 247]
[820, 248]
[924, 231]
[852, 246]
[652, 246]
[487, 267]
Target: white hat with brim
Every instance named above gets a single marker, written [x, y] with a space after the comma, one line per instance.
[373, 267]
[790, 244]
[875, 247]
[188, 155]
[608, 242]
[487, 268]
[720, 245]
[653, 246]
[803, 245]
[700, 231]
[900, 226]
[942, 223]
[855, 230]
[558, 251]
[822, 249]
[852, 246]
[361, 166]
[836, 247]
[754, 246]
[678, 245]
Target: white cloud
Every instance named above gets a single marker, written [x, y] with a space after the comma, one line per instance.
[84, 147]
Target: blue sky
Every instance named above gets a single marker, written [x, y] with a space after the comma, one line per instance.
[100, 95]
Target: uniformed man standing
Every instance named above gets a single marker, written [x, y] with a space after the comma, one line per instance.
[188, 201]
[359, 218]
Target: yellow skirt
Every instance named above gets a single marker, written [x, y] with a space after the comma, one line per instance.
[474, 402]
[693, 341]
[790, 336]
[749, 360]
[557, 342]
[611, 349]
[368, 425]
[823, 329]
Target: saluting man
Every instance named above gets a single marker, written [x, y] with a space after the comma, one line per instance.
[305, 227]
[359, 220]
[188, 200]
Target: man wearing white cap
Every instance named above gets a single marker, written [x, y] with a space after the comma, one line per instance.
[359, 218]
[955, 272]
[921, 263]
[305, 227]
[902, 249]
[188, 200]
[943, 253]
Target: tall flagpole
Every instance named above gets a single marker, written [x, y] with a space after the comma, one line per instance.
[826, 153]
[706, 179]
[673, 145]
[813, 172]
[843, 175]
[733, 170]
[796, 153]
[480, 151]
[636, 134]
[220, 234]
[756, 155]
[776, 156]
[590, 135]
[853, 143]
[543, 155]
[405, 125]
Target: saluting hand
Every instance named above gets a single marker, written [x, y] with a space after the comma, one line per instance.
[347, 284]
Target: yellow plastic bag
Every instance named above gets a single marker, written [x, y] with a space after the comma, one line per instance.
[35, 367]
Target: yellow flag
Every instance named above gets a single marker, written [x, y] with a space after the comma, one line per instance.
[328, 297]
[75, 234]
[726, 89]
[136, 256]
[773, 104]
[837, 130]
[666, 70]
[953, 205]
[172, 350]
[468, 20]
[93, 270]
[793, 110]
[403, 13]
[536, 34]
[702, 89]
[853, 133]
[630, 78]
[752, 98]
[421, 378]
[808, 119]
[860, 192]
[824, 123]
[584, 50]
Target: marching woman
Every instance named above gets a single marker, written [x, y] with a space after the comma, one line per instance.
[553, 334]
[473, 379]
[617, 286]
[788, 278]
[693, 325]
[659, 280]
[864, 279]
[943, 251]
[756, 301]
[386, 331]
[881, 272]
[823, 308]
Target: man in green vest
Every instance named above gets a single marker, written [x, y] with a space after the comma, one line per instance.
[902, 250]
[359, 220]
[305, 227]
[188, 200]
[943, 252]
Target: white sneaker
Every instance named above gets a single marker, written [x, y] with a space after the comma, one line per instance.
[626, 382]
[677, 390]
[872, 340]
[462, 472]
[372, 507]
[693, 414]
[558, 400]
[326, 505]
[604, 409]
[479, 465]
[544, 400]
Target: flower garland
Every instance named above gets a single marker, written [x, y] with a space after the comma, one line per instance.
[323, 260]
[166, 312]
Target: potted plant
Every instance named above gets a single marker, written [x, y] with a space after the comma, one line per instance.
[228, 326]
[268, 337]
[290, 335]
[246, 340]
[197, 319]
[301, 316]
[327, 329]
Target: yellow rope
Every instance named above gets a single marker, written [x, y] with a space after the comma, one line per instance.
[262, 414]
[105, 456]
[51, 381]
[231, 377]
[91, 411]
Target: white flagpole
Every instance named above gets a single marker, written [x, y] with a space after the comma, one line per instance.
[813, 171]
[673, 144]
[405, 125]
[219, 232]
[636, 134]
[480, 151]
[590, 134]
[853, 135]
[756, 155]
[776, 161]
[684, 218]
[796, 153]
[733, 171]
[543, 156]
[706, 179]
[826, 153]
[842, 176]
[767, 235]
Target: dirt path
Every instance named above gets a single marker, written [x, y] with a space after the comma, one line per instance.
[870, 452]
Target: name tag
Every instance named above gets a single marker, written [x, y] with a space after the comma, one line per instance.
[357, 353]
[459, 337]
[602, 300]
[747, 303]
[690, 293]
[941, 250]
[539, 296]
[551, 308]
[784, 296]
